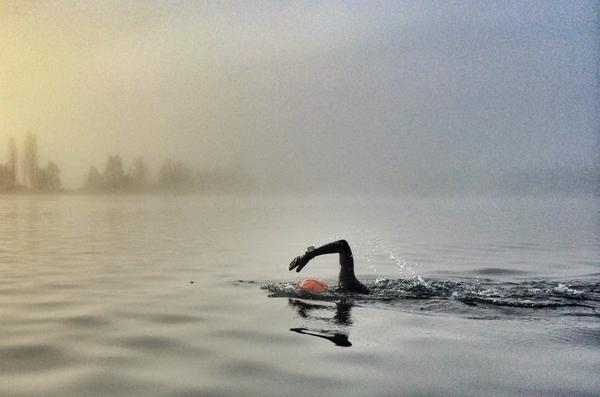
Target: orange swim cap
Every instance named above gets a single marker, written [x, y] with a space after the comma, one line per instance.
[313, 285]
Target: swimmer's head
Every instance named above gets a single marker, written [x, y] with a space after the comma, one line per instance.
[313, 285]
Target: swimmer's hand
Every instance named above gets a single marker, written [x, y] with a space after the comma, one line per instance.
[298, 262]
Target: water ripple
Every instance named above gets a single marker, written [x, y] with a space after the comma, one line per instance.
[33, 358]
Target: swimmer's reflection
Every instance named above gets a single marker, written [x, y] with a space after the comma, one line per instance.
[337, 338]
[310, 311]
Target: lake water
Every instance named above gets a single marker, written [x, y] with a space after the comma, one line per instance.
[190, 296]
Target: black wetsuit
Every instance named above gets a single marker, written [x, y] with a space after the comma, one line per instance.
[347, 279]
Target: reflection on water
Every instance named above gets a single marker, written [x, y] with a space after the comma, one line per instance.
[311, 311]
[341, 316]
[337, 338]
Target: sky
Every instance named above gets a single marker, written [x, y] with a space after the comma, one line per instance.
[302, 93]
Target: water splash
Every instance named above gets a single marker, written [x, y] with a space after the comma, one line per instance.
[378, 245]
[439, 294]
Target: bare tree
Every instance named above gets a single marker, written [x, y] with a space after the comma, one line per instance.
[12, 163]
[94, 181]
[30, 160]
[48, 179]
[114, 174]
[174, 175]
[4, 177]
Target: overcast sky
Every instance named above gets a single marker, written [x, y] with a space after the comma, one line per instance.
[352, 91]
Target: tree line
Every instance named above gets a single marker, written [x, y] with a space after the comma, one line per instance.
[172, 176]
[35, 177]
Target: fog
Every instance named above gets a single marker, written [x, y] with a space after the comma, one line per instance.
[304, 97]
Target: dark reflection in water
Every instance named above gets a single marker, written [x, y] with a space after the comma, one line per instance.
[483, 299]
[341, 317]
[337, 338]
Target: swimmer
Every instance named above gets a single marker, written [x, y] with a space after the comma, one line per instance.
[347, 280]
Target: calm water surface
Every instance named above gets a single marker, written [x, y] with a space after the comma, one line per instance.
[190, 296]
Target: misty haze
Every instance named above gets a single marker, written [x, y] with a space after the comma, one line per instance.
[429, 173]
